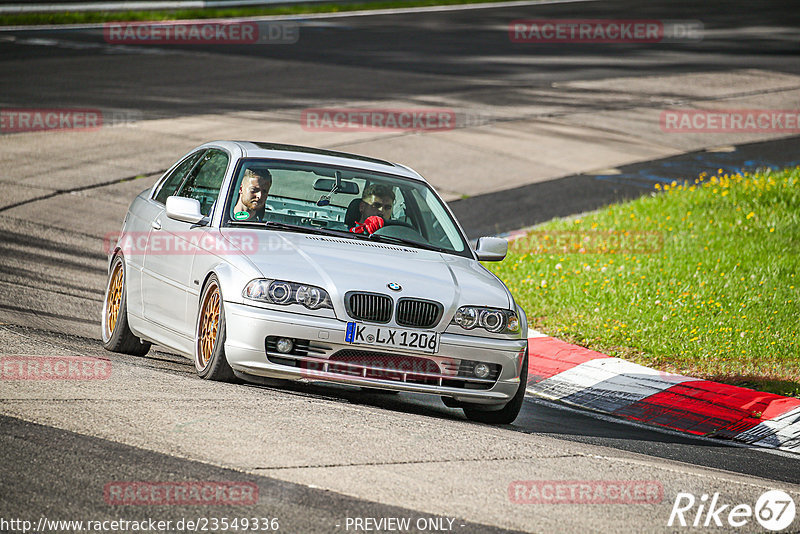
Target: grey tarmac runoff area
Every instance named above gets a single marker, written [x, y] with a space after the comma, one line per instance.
[543, 130]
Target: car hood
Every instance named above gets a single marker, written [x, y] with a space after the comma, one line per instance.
[340, 265]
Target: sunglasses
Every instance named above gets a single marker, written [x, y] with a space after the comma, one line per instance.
[379, 205]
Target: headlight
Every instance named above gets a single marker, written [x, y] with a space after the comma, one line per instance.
[466, 317]
[310, 296]
[281, 292]
[490, 319]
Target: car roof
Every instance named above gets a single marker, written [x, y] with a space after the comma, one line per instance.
[253, 149]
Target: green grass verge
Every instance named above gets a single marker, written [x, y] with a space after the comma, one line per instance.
[294, 9]
[699, 278]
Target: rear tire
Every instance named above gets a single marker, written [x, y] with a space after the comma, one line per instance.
[507, 413]
[209, 345]
[117, 335]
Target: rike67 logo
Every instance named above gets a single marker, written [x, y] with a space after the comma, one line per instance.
[774, 510]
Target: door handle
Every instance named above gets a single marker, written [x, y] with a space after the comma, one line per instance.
[156, 224]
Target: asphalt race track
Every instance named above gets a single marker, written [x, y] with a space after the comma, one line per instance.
[321, 456]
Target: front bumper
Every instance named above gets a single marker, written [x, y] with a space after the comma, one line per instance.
[249, 326]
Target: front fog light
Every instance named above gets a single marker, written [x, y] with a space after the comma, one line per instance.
[284, 345]
[481, 370]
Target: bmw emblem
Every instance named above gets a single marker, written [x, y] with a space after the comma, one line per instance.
[394, 286]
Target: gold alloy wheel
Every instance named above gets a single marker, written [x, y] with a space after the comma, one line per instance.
[114, 298]
[209, 325]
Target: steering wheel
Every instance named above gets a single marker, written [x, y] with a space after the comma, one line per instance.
[400, 229]
[394, 222]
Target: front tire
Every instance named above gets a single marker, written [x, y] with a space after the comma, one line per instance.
[117, 335]
[209, 346]
[507, 413]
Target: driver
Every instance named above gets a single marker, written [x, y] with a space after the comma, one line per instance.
[253, 194]
[375, 208]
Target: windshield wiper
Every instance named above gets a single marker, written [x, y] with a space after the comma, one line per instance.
[305, 229]
[350, 235]
[400, 241]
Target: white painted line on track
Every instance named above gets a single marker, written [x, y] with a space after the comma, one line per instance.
[301, 17]
[535, 333]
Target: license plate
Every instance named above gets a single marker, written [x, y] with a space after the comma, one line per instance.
[398, 338]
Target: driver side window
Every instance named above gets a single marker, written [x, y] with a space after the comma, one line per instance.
[205, 180]
[174, 180]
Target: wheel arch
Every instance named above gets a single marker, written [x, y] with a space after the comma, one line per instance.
[229, 282]
[112, 255]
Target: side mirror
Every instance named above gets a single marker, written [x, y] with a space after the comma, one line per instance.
[491, 248]
[184, 209]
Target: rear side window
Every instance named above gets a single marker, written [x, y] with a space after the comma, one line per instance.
[205, 179]
[174, 180]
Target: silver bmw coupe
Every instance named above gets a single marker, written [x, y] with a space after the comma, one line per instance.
[261, 260]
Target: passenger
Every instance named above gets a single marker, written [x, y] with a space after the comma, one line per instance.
[253, 194]
[375, 208]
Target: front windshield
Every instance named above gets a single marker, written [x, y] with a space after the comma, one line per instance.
[348, 202]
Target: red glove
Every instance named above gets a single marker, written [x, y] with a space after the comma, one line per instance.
[369, 226]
